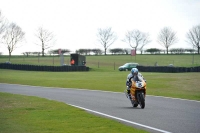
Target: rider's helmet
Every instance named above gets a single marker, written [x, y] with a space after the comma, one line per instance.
[134, 71]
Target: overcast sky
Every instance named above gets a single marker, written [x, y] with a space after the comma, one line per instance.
[75, 22]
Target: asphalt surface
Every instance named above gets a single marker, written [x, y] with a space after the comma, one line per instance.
[159, 115]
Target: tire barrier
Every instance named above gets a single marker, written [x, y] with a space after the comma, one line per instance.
[43, 68]
[167, 69]
[163, 69]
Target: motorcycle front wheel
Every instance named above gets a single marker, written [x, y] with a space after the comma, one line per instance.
[141, 100]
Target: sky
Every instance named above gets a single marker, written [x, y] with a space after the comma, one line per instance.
[75, 23]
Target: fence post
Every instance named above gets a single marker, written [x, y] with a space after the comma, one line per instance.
[53, 60]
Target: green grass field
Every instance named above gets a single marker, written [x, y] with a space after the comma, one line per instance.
[30, 114]
[178, 85]
[111, 62]
[27, 114]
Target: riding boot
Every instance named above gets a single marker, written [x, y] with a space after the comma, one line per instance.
[133, 94]
[129, 95]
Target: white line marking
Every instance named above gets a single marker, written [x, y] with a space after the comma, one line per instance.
[117, 118]
[175, 98]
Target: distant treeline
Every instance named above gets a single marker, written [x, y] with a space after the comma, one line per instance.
[113, 51]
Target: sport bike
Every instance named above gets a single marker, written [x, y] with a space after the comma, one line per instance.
[138, 93]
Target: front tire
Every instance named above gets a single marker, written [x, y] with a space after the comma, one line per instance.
[141, 100]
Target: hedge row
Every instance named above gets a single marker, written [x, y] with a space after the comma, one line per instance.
[167, 69]
[43, 68]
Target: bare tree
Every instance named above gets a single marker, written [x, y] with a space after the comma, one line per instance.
[193, 37]
[2, 26]
[167, 37]
[13, 34]
[46, 39]
[106, 37]
[145, 41]
[135, 38]
[2, 23]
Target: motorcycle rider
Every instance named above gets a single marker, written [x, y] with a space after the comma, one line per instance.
[135, 76]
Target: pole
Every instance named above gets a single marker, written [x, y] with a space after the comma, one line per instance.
[53, 59]
[135, 54]
[193, 56]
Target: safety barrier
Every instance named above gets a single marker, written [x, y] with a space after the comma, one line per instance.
[168, 69]
[43, 68]
[163, 69]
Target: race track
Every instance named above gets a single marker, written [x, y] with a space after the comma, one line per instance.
[159, 115]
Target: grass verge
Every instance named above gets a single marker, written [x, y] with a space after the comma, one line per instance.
[111, 62]
[177, 85]
[22, 114]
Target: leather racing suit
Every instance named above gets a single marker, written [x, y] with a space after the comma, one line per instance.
[135, 78]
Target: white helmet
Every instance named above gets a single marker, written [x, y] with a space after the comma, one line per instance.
[134, 71]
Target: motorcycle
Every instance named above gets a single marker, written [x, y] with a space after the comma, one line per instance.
[137, 93]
